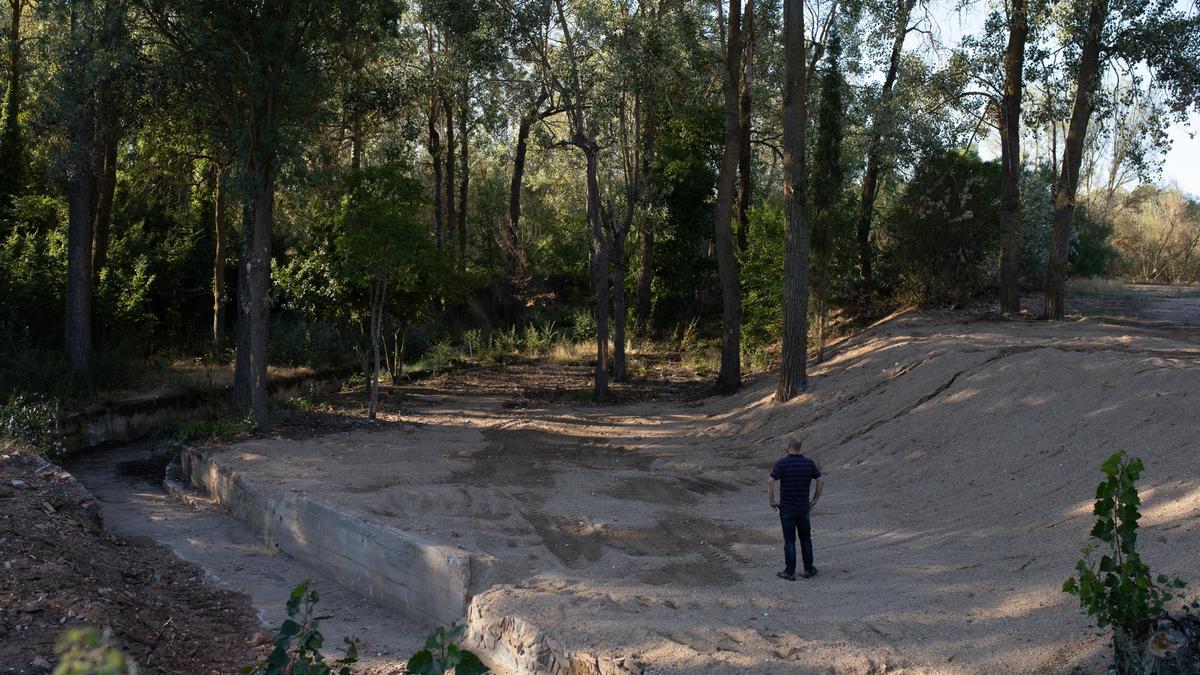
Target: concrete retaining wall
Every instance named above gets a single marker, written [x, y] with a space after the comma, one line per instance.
[129, 420]
[424, 582]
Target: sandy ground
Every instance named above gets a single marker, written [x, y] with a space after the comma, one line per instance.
[961, 457]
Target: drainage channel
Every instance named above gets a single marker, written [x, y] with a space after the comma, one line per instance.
[204, 534]
[423, 581]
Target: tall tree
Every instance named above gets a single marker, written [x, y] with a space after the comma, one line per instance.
[464, 146]
[828, 176]
[870, 181]
[729, 379]
[514, 256]
[262, 67]
[793, 374]
[583, 137]
[1156, 37]
[451, 164]
[1010, 156]
[92, 45]
[745, 165]
[12, 148]
[217, 211]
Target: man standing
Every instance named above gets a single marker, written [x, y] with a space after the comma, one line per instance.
[795, 473]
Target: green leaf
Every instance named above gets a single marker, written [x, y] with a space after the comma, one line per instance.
[421, 663]
[1112, 464]
[293, 604]
[470, 665]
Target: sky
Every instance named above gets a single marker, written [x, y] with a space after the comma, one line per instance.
[1182, 166]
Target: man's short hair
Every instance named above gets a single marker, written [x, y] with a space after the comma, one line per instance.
[794, 443]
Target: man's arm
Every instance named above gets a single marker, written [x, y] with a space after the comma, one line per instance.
[817, 492]
[771, 493]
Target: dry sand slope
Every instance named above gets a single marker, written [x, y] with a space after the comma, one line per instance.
[960, 456]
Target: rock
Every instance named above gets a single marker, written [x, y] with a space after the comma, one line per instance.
[40, 663]
[19, 484]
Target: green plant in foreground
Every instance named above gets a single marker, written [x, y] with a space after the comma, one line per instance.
[33, 422]
[442, 655]
[87, 651]
[1117, 590]
[298, 643]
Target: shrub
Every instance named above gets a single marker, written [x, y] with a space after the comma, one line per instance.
[299, 641]
[33, 422]
[87, 651]
[472, 342]
[1091, 253]
[1117, 590]
[944, 228]
[442, 655]
[583, 325]
[539, 340]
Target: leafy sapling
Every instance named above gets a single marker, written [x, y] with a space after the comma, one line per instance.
[442, 655]
[298, 642]
[1118, 590]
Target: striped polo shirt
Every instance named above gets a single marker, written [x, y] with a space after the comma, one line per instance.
[795, 473]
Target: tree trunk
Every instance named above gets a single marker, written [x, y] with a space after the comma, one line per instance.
[106, 182]
[218, 270]
[599, 273]
[451, 158]
[870, 182]
[241, 369]
[645, 276]
[378, 295]
[730, 377]
[356, 141]
[435, 153]
[80, 196]
[1068, 181]
[793, 375]
[1010, 159]
[464, 145]
[619, 236]
[745, 170]
[585, 141]
[12, 151]
[260, 286]
[512, 235]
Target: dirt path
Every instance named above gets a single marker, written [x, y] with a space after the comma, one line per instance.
[136, 507]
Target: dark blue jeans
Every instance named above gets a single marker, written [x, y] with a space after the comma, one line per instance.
[794, 520]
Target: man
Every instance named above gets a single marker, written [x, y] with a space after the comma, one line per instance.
[795, 473]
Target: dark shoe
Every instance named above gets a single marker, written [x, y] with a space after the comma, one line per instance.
[808, 574]
[786, 576]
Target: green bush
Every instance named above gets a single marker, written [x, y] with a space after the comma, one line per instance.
[1037, 220]
[583, 325]
[298, 643]
[1117, 590]
[442, 655]
[762, 275]
[1091, 254]
[32, 422]
[540, 339]
[87, 651]
[943, 228]
[296, 342]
